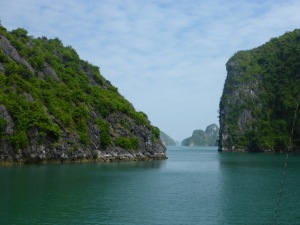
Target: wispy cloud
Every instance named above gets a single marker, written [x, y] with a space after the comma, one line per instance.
[167, 57]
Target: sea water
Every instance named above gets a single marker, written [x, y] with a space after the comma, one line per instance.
[196, 185]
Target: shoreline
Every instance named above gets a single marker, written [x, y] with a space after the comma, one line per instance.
[102, 159]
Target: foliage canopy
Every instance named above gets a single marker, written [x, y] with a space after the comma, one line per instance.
[56, 91]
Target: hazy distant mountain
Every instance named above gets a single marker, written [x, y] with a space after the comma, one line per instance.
[208, 137]
[166, 139]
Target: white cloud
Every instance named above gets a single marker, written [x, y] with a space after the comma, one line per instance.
[167, 57]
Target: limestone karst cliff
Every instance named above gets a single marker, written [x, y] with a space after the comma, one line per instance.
[55, 106]
[260, 96]
[208, 137]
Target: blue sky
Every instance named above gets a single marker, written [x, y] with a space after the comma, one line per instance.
[166, 57]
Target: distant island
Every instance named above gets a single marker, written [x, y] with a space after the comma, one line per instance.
[166, 139]
[260, 97]
[208, 137]
[55, 106]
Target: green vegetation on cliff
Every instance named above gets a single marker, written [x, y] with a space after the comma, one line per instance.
[45, 87]
[208, 137]
[260, 97]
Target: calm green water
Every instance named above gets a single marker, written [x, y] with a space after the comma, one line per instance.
[194, 186]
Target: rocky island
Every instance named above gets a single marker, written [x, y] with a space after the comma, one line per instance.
[260, 96]
[56, 107]
[208, 137]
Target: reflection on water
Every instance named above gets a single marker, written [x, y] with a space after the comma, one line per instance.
[154, 164]
[194, 186]
[250, 186]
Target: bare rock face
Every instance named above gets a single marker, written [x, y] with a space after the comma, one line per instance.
[9, 121]
[13, 53]
[6, 151]
[239, 93]
[47, 70]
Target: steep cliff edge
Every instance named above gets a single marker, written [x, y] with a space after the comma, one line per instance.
[260, 96]
[55, 106]
[208, 137]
